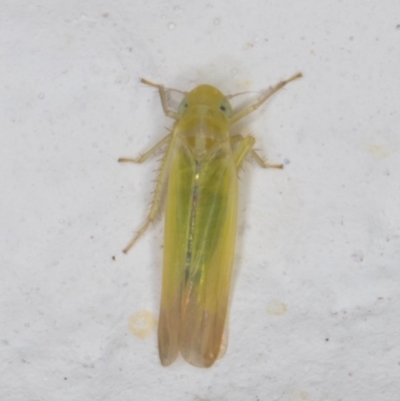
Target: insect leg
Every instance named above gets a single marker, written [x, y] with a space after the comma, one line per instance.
[245, 147]
[158, 192]
[163, 95]
[247, 110]
[147, 154]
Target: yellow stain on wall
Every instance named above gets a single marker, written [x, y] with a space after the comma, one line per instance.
[300, 395]
[378, 152]
[142, 324]
[276, 308]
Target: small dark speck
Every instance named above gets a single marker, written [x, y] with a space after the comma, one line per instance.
[106, 15]
[113, 258]
[286, 161]
[326, 339]
[357, 257]
[398, 26]
[65, 378]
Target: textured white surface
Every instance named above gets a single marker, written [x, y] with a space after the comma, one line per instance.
[316, 300]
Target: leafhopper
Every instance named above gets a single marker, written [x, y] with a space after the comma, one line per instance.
[200, 173]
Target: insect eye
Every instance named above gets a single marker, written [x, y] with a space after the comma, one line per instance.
[225, 107]
[183, 105]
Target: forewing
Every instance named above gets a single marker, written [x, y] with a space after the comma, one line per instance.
[176, 233]
[212, 234]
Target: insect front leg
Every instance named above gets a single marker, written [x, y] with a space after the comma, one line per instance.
[163, 95]
[247, 110]
[158, 192]
[244, 148]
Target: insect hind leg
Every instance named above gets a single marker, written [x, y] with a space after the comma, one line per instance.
[159, 190]
[154, 209]
[138, 234]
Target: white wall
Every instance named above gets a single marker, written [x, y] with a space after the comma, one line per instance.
[316, 300]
